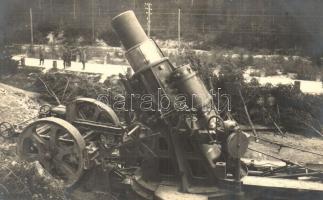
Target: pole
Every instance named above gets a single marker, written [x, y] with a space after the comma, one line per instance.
[203, 25]
[51, 7]
[248, 116]
[149, 19]
[40, 4]
[31, 27]
[74, 9]
[148, 8]
[179, 28]
[92, 13]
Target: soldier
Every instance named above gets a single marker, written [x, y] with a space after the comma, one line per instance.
[41, 57]
[69, 57]
[64, 58]
[107, 58]
[22, 61]
[83, 58]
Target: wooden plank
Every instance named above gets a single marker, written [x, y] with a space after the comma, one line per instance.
[280, 183]
[264, 163]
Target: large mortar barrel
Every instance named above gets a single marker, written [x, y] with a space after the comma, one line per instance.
[142, 52]
[129, 29]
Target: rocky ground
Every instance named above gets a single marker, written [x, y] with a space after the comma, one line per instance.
[17, 105]
[19, 179]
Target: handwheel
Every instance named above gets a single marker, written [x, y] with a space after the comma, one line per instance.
[57, 145]
[6, 129]
[44, 110]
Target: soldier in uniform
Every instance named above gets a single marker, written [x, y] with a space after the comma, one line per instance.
[83, 58]
[41, 57]
[64, 58]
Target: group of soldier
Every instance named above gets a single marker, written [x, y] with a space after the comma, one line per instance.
[67, 56]
[68, 53]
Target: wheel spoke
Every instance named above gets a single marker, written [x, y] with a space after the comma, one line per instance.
[65, 136]
[42, 130]
[96, 114]
[64, 150]
[67, 170]
[53, 138]
[39, 141]
[81, 114]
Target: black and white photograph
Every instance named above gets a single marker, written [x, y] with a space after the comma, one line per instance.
[161, 100]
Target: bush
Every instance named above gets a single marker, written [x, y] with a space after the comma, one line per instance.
[7, 64]
[287, 107]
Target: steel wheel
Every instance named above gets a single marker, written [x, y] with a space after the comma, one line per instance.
[57, 145]
[92, 110]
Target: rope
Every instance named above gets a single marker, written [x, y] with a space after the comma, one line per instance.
[284, 160]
